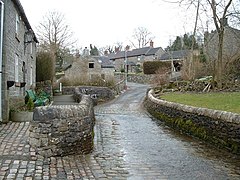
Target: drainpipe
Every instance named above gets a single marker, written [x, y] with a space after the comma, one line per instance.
[1, 55]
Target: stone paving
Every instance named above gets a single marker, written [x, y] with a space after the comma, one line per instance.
[128, 145]
[19, 161]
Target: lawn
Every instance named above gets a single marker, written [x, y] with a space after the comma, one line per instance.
[219, 101]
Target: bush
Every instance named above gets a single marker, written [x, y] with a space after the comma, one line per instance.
[82, 81]
[30, 104]
[161, 77]
[151, 67]
[44, 67]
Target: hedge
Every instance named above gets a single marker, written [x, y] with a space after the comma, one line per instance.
[150, 67]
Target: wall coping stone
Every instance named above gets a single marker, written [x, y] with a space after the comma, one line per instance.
[214, 114]
[59, 130]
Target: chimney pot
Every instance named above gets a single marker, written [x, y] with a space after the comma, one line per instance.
[151, 43]
[106, 52]
[117, 49]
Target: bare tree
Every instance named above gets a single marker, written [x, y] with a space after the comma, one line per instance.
[141, 37]
[53, 31]
[54, 35]
[220, 10]
[118, 46]
[220, 13]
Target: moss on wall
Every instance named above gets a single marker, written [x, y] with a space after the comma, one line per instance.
[190, 126]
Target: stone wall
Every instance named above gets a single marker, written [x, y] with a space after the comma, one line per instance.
[15, 49]
[216, 127]
[98, 94]
[136, 78]
[63, 129]
[140, 78]
[119, 87]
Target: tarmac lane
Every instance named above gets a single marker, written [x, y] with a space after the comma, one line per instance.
[128, 144]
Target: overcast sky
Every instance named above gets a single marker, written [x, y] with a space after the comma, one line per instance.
[105, 22]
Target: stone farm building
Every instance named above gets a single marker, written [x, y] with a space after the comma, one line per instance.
[17, 56]
[91, 68]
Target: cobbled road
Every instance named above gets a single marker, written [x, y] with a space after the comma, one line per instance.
[129, 144]
[138, 147]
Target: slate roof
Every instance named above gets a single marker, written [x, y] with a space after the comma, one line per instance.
[104, 61]
[138, 52]
[117, 55]
[147, 51]
[175, 55]
[152, 51]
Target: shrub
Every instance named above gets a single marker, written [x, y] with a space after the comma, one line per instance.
[162, 76]
[44, 67]
[82, 81]
[30, 104]
[150, 67]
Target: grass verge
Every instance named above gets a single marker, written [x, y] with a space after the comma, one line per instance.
[225, 101]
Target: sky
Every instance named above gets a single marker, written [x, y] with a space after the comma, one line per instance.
[107, 22]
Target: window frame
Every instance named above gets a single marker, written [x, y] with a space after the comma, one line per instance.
[91, 65]
[17, 24]
[16, 68]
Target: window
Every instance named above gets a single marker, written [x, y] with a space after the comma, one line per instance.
[31, 48]
[31, 76]
[16, 72]
[17, 25]
[91, 65]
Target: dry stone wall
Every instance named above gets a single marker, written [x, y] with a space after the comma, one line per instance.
[97, 94]
[63, 129]
[217, 127]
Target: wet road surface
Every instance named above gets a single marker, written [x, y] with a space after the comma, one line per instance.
[144, 148]
[129, 144]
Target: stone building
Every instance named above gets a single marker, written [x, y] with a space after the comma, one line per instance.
[17, 55]
[91, 68]
[131, 59]
[231, 44]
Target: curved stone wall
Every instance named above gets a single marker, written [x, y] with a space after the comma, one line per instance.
[217, 127]
[63, 129]
[98, 94]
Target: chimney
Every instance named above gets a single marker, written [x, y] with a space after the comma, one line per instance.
[106, 52]
[117, 49]
[151, 43]
[127, 48]
[86, 52]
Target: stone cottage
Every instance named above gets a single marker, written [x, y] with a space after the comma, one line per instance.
[91, 68]
[231, 45]
[130, 59]
[17, 56]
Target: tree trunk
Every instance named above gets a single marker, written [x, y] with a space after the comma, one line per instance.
[191, 70]
[220, 59]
